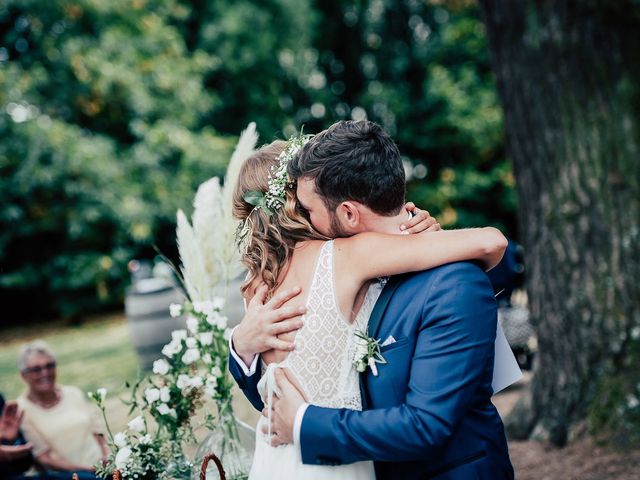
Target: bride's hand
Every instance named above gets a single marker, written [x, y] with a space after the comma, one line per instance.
[421, 221]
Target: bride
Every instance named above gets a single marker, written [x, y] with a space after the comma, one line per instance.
[282, 250]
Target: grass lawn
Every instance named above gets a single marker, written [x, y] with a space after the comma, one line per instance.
[95, 354]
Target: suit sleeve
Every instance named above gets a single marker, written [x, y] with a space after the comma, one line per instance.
[248, 384]
[451, 364]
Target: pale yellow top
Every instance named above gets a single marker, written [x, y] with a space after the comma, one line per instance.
[67, 429]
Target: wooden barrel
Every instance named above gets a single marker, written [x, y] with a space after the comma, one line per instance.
[150, 325]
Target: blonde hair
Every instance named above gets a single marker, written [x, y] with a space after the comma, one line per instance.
[271, 238]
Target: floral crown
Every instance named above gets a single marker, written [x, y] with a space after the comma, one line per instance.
[275, 196]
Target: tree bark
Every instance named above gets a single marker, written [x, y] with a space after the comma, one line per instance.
[569, 78]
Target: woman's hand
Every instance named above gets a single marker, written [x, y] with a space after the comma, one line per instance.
[10, 421]
[421, 221]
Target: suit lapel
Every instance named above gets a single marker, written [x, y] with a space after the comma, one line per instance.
[374, 327]
[381, 305]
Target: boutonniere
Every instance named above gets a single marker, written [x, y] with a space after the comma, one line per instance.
[367, 353]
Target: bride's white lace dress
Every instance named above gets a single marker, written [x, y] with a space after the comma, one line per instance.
[322, 364]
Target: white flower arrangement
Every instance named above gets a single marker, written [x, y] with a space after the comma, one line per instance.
[193, 369]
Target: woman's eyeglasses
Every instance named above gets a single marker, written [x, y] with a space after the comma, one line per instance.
[40, 368]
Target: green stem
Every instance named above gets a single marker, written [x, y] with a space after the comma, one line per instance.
[106, 422]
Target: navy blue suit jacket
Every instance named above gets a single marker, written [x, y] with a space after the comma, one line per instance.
[428, 414]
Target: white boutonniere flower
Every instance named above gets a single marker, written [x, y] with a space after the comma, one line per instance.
[367, 353]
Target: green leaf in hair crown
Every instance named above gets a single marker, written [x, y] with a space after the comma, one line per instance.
[254, 198]
[258, 200]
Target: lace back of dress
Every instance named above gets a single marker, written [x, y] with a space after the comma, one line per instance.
[323, 359]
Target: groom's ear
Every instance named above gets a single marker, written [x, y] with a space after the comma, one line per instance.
[350, 216]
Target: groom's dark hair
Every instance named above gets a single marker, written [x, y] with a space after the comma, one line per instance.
[353, 161]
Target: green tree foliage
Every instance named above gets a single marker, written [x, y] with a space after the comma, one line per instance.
[422, 70]
[103, 139]
[111, 113]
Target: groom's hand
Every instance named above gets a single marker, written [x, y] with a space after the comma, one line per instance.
[263, 322]
[285, 408]
[421, 221]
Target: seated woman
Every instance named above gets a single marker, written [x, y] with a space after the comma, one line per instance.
[58, 421]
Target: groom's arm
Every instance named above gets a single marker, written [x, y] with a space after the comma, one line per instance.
[246, 376]
[451, 363]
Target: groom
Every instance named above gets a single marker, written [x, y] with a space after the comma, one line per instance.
[428, 411]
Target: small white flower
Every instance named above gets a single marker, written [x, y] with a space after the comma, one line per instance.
[212, 318]
[205, 307]
[206, 338]
[120, 439]
[161, 367]
[145, 439]
[361, 349]
[190, 356]
[216, 320]
[122, 457]
[210, 390]
[137, 424]
[196, 381]
[632, 401]
[178, 335]
[102, 392]
[175, 310]
[183, 381]
[222, 322]
[192, 324]
[216, 372]
[171, 348]
[635, 333]
[206, 358]
[165, 394]
[218, 303]
[163, 409]
[361, 366]
[372, 366]
[227, 334]
[152, 395]
[191, 342]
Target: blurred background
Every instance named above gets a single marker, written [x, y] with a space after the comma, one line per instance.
[113, 112]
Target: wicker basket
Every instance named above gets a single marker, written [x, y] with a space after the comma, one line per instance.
[203, 469]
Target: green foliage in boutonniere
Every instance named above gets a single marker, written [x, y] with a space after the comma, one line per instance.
[367, 353]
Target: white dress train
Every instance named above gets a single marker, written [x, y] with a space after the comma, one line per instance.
[322, 365]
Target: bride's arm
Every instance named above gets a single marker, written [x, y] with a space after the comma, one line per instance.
[371, 255]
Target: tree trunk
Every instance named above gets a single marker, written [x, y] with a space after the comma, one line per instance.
[568, 75]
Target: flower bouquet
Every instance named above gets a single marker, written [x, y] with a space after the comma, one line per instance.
[193, 371]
